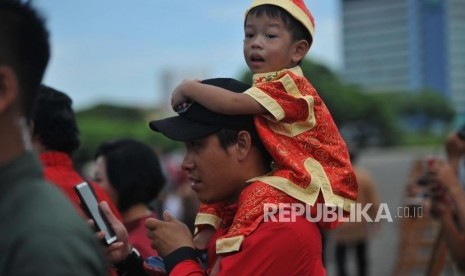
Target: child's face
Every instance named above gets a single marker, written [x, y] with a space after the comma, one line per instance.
[268, 44]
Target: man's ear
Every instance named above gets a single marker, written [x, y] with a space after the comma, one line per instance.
[244, 143]
[300, 50]
[8, 87]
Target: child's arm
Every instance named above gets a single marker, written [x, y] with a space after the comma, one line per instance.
[215, 99]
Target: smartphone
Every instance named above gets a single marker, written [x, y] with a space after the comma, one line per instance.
[90, 205]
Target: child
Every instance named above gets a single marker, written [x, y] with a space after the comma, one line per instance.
[311, 159]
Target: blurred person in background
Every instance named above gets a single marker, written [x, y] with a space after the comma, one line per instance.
[355, 235]
[131, 173]
[40, 233]
[417, 192]
[55, 136]
[455, 150]
[448, 203]
[417, 230]
[178, 197]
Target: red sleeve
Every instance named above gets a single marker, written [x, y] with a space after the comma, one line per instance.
[286, 106]
[278, 248]
[188, 268]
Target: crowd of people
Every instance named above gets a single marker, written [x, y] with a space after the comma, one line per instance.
[245, 147]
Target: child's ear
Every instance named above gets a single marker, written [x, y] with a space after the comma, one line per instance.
[300, 50]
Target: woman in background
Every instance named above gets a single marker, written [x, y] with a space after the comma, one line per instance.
[131, 173]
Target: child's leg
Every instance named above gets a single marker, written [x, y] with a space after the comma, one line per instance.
[206, 222]
[203, 236]
[250, 213]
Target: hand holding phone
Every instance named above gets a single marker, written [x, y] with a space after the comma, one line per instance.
[90, 205]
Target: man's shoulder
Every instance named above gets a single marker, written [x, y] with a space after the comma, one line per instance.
[297, 223]
[42, 227]
[298, 231]
[48, 209]
[42, 205]
[294, 245]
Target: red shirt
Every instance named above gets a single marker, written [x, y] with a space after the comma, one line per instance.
[274, 248]
[59, 170]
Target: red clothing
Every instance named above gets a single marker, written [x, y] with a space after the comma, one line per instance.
[138, 237]
[299, 132]
[59, 170]
[274, 248]
[311, 159]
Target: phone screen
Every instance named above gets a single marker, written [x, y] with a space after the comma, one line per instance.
[90, 205]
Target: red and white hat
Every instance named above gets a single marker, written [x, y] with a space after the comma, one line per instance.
[296, 8]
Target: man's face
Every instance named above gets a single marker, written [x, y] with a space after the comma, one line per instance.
[267, 44]
[213, 171]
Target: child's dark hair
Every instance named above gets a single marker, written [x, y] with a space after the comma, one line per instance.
[297, 29]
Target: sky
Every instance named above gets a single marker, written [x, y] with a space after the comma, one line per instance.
[115, 51]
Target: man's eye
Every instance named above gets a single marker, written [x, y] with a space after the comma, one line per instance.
[248, 35]
[271, 35]
[193, 145]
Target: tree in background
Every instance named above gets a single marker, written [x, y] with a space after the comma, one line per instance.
[103, 122]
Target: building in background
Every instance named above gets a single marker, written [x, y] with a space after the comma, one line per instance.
[406, 45]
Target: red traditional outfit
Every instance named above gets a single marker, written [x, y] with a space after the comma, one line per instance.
[59, 170]
[311, 158]
[274, 248]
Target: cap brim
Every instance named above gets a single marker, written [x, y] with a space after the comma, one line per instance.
[181, 129]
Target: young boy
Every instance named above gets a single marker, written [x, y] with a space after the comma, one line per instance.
[311, 159]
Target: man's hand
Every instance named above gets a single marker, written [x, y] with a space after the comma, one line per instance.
[168, 235]
[119, 250]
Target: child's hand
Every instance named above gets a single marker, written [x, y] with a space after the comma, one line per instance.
[178, 98]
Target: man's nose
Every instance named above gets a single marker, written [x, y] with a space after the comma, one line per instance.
[187, 163]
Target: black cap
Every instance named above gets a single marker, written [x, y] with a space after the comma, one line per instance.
[196, 121]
